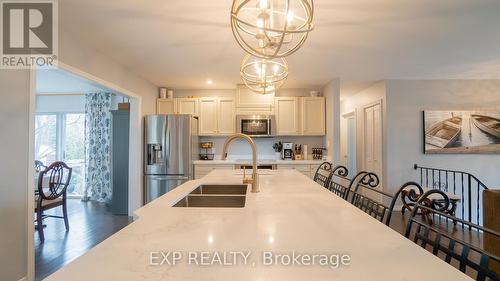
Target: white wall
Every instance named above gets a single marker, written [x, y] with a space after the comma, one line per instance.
[59, 103]
[356, 103]
[77, 54]
[14, 112]
[405, 102]
[14, 116]
[331, 92]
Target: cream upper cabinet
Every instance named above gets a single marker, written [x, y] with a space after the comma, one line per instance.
[287, 116]
[226, 116]
[217, 116]
[248, 102]
[165, 106]
[313, 116]
[187, 106]
[208, 116]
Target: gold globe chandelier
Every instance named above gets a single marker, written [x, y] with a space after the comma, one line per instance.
[263, 76]
[271, 28]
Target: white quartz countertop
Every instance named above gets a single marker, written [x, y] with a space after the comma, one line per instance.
[290, 214]
[260, 161]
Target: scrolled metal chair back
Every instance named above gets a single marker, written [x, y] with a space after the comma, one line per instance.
[323, 173]
[443, 243]
[369, 181]
[412, 191]
[339, 183]
[59, 176]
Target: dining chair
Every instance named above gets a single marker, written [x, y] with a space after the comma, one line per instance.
[367, 197]
[52, 185]
[322, 174]
[339, 183]
[39, 166]
[469, 259]
[371, 199]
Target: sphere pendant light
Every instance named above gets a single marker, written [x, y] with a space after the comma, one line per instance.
[271, 28]
[263, 76]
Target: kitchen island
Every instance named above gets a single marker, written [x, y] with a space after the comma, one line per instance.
[291, 215]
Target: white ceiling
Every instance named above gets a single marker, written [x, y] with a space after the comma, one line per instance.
[180, 44]
[59, 81]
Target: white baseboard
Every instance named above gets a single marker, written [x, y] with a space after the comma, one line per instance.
[24, 279]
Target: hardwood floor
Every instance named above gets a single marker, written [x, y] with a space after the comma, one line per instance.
[90, 223]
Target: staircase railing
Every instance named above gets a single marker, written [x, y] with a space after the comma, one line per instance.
[463, 184]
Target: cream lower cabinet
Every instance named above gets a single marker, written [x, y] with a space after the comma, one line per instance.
[287, 116]
[217, 116]
[300, 116]
[203, 170]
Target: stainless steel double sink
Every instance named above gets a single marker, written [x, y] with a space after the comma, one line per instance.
[215, 196]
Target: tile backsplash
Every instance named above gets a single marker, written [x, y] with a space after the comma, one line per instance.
[241, 150]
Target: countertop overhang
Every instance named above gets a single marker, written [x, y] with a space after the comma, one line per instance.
[291, 214]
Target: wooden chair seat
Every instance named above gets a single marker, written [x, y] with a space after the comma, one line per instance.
[52, 185]
[49, 204]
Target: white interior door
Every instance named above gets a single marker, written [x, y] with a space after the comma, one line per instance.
[373, 140]
[349, 143]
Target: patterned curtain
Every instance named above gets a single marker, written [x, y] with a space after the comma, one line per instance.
[97, 147]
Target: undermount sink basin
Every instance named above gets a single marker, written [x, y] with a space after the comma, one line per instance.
[239, 189]
[212, 201]
[215, 196]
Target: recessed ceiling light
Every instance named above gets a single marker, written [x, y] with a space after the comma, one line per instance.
[209, 82]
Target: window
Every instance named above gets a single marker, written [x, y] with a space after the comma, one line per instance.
[61, 137]
[46, 138]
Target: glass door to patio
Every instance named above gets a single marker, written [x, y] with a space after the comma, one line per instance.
[61, 137]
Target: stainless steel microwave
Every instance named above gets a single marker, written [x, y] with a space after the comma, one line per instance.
[256, 125]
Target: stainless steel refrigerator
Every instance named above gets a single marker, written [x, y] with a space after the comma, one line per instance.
[170, 146]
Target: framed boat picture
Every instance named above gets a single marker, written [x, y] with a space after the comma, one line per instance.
[461, 132]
